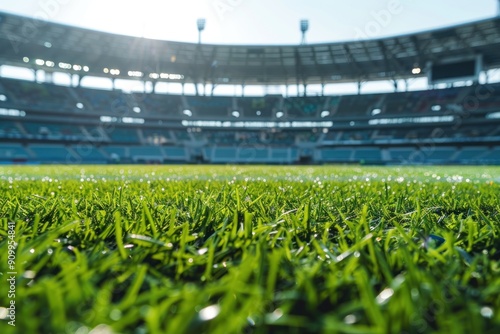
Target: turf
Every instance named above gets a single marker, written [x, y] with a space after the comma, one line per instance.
[189, 249]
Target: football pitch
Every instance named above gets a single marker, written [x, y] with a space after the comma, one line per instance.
[249, 249]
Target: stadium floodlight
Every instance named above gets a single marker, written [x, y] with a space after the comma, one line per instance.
[201, 26]
[304, 27]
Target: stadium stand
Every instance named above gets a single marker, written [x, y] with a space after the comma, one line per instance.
[263, 107]
[13, 153]
[41, 122]
[147, 142]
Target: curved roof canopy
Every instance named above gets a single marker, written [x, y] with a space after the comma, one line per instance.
[356, 61]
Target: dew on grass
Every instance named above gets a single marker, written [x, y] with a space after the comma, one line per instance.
[251, 321]
[384, 296]
[487, 312]
[276, 315]
[29, 274]
[350, 319]
[102, 329]
[209, 313]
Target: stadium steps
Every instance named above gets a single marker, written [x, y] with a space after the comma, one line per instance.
[82, 99]
[283, 155]
[117, 152]
[281, 104]
[146, 153]
[404, 155]
[454, 155]
[367, 154]
[72, 93]
[89, 153]
[22, 130]
[30, 152]
[54, 153]
[463, 94]
[335, 155]
[495, 132]
[175, 153]
[321, 138]
[12, 97]
[379, 104]
[470, 154]
[12, 152]
[439, 154]
[2, 89]
[329, 139]
[185, 104]
[140, 135]
[385, 154]
[170, 136]
[96, 134]
[491, 156]
[328, 105]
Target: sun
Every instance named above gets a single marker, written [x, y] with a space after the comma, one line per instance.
[156, 19]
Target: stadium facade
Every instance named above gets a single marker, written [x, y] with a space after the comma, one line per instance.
[41, 122]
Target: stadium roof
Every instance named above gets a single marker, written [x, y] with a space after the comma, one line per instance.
[357, 61]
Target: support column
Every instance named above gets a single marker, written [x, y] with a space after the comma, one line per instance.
[48, 78]
[196, 89]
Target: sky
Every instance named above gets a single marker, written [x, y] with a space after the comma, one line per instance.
[256, 21]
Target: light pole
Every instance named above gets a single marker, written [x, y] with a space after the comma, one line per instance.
[304, 27]
[201, 26]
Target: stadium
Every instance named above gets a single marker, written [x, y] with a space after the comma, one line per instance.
[298, 210]
[81, 125]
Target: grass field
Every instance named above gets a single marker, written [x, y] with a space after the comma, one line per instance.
[218, 249]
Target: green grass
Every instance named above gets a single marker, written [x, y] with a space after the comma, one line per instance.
[135, 249]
